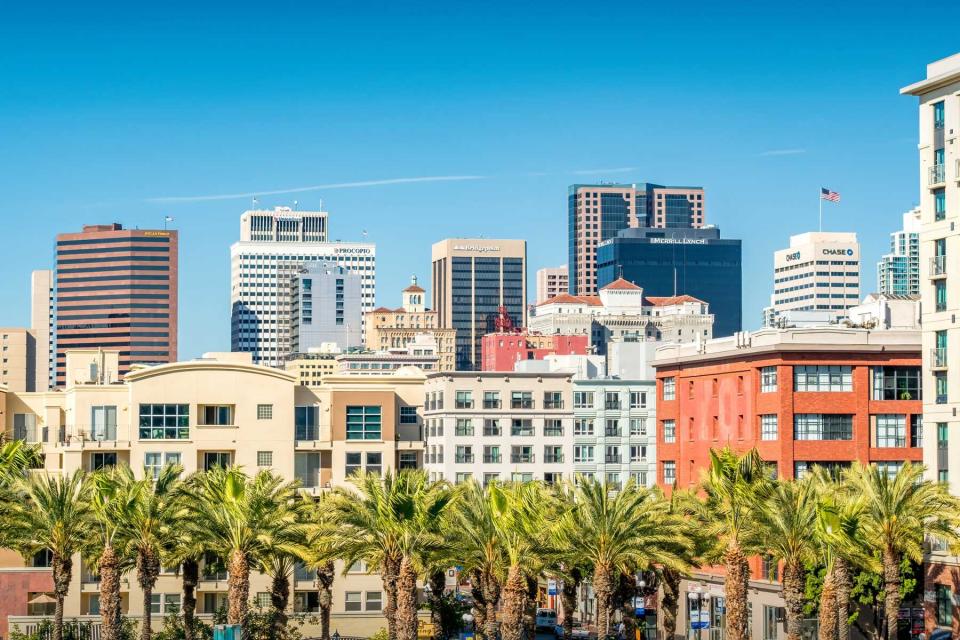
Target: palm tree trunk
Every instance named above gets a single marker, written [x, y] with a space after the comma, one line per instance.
[793, 597]
[491, 596]
[148, 568]
[109, 569]
[530, 608]
[438, 582]
[844, 585]
[514, 601]
[238, 588]
[891, 587]
[191, 576]
[828, 607]
[391, 570]
[279, 600]
[479, 605]
[325, 577]
[670, 603]
[406, 624]
[735, 586]
[568, 602]
[603, 592]
[626, 593]
[62, 570]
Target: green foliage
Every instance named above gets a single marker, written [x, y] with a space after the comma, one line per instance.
[173, 629]
[813, 586]
[451, 610]
[867, 588]
[71, 631]
[381, 634]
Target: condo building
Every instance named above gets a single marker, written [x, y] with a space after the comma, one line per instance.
[114, 288]
[42, 325]
[819, 272]
[551, 282]
[939, 178]
[503, 350]
[325, 307]
[597, 212]
[676, 261]
[476, 281]
[273, 248]
[17, 358]
[217, 410]
[396, 328]
[898, 272]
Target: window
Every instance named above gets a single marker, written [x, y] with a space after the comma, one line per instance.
[552, 400]
[769, 568]
[264, 458]
[938, 115]
[521, 477]
[939, 204]
[491, 399]
[408, 460]
[770, 617]
[491, 427]
[768, 427]
[491, 454]
[521, 427]
[353, 463]
[408, 415]
[464, 454]
[638, 426]
[944, 605]
[552, 454]
[613, 479]
[215, 415]
[612, 429]
[164, 421]
[669, 431]
[552, 427]
[891, 430]
[305, 421]
[522, 453]
[103, 423]
[154, 461]
[102, 460]
[363, 422]
[352, 601]
[583, 453]
[264, 412]
[263, 599]
[916, 430]
[891, 469]
[669, 472]
[940, 382]
[374, 462]
[768, 379]
[669, 388]
[213, 459]
[819, 426]
[940, 295]
[638, 453]
[583, 427]
[464, 400]
[823, 378]
[583, 399]
[490, 478]
[612, 400]
[639, 478]
[464, 427]
[896, 383]
[43, 558]
[638, 399]
[552, 477]
[164, 602]
[521, 400]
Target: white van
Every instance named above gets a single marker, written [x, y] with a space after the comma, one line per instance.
[546, 619]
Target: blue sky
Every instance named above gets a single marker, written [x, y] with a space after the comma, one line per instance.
[105, 109]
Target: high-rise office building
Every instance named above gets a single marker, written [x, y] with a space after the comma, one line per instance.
[274, 247]
[597, 212]
[551, 282]
[939, 118]
[898, 272]
[472, 280]
[819, 272]
[325, 307]
[115, 288]
[677, 261]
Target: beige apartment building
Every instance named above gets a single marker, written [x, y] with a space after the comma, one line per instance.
[396, 328]
[17, 358]
[551, 282]
[217, 410]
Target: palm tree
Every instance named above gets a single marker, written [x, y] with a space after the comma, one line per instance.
[734, 486]
[480, 554]
[243, 517]
[53, 514]
[785, 521]
[899, 511]
[189, 549]
[621, 532]
[16, 457]
[319, 552]
[107, 561]
[683, 504]
[569, 566]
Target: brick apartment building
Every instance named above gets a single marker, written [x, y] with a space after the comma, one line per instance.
[501, 351]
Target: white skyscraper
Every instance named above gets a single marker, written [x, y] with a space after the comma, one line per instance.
[898, 272]
[818, 274]
[273, 247]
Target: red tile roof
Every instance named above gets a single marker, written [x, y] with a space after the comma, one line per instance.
[566, 298]
[620, 284]
[415, 289]
[666, 301]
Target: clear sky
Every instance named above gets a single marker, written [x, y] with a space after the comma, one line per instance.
[105, 110]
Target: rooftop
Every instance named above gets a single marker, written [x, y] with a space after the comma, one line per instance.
[666, 301]
[621, 285]
[939, 73]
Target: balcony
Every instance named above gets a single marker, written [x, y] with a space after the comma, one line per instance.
[937, 175]
[938, 267]
[464, 458]
[553, 404]
[613, 459]
[307, 433]
[938, 358]
[521, 458]
[492, 458]
[612, 433]
[521, 403]
[612, 406]
[553, 431]
[553, 458]
[491, 404]
[941, 398]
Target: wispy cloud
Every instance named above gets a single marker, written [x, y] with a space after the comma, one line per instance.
[781, 152]
[587, 172]
[316, 187]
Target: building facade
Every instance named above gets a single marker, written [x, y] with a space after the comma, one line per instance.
[18, 358]
[395, 328]
[225, 411]
[42, 316]
[115, 288]
[502, 351]
[498, 427]
[597, 212]
[898, 272]
[551, 282]
[939, 119]
[274, 247]
[325, 307]
[818, 272]
[674, 261]
[472, 280]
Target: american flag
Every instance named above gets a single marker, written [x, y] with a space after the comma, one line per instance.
[826, 194]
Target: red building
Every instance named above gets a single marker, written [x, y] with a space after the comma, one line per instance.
[500, 351]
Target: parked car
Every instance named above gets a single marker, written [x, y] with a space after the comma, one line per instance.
[580, 632]
[546, 619]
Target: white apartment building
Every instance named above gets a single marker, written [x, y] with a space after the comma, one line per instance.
[819, 271]
[551, 282]
[496, 426]
[898, 272]
[273, 248]
[939, 119]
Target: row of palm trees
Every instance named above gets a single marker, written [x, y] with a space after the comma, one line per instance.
[504, 537]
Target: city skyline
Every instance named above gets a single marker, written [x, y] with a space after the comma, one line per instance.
[204, 132]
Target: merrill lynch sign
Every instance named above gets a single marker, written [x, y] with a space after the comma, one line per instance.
[473, 247]
[678, 241]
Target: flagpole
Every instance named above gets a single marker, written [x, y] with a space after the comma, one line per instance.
[820, 200]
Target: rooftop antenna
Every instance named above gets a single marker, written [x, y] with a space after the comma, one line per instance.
[674, 282]
[295, 203]
[255, 202]
[166, 220]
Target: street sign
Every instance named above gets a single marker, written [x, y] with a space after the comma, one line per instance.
[700, 619]
[551, 587]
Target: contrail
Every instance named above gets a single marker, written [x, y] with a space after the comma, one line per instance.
[586, 172]
[316, 187]
[781, 152]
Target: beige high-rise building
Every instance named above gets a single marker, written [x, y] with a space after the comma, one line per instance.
[551, 282]
[217, 410]
[397, 328]
[474, 280]
[41, 324]
[17, 347]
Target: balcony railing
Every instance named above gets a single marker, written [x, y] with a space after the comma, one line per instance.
[553, 431]
[938, 357]
[612, 406]
[491, 404]
[941, 398]
[613, 459]
[463, 458]
[937, 174]
[612, 433]
[553, 404]
[521, 403]
[521, 457]
[553, 458]
[306, 433]
[490, 458]
[938, 266]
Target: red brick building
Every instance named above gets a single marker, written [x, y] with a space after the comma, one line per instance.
[500, 351]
